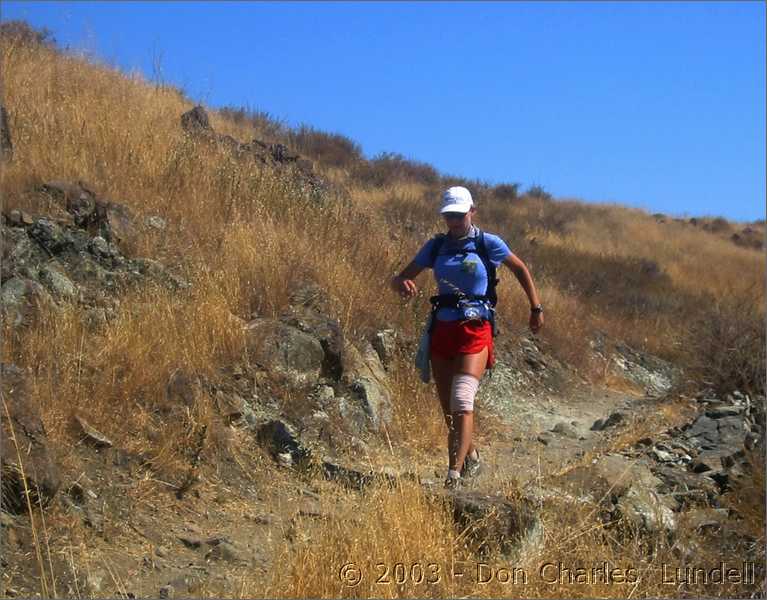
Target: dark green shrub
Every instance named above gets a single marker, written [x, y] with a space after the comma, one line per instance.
[267, 126]
[388, 168]
[23, 33]
[537, 191]
[506, 191]
[330, 149]
[725, 346]
[718, 225]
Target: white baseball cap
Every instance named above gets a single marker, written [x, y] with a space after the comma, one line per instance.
[456, 199]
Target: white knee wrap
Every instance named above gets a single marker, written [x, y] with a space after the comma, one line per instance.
[462, 393]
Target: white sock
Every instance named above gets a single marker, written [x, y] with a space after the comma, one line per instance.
[453, 474]
[474, 455]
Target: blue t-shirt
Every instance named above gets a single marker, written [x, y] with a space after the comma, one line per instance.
[459, 266]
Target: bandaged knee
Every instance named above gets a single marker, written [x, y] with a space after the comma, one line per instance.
[462, 393]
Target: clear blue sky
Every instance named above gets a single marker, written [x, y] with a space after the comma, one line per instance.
[657, 105]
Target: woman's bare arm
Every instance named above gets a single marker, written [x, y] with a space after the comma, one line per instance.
[403, 283]
[525, 279]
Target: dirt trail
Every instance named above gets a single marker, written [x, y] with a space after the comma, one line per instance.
[136, 537]
[518, 442]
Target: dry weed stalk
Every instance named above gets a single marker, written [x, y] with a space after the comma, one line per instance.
[27, 493]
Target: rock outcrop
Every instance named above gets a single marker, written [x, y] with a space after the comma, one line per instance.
[73, 257]
[196, 124]
[646, 488]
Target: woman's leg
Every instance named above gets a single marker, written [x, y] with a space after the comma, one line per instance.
[463, 421]
[443, 369]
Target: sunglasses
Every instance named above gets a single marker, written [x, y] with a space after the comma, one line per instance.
[454, 215]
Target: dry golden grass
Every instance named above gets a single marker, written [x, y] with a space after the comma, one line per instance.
[246, 236]
[122, 135]
[116, 377]
[380, 530]
[401, 543]
[747, 498]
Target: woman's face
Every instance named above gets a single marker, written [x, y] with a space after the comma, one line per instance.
[458, 223]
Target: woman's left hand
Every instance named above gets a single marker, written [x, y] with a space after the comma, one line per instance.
[536, 321]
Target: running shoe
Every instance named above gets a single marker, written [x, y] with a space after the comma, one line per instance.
[452, 483]
[471, 466]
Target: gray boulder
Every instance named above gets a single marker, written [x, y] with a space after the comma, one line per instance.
[643, 511]
[51, 236]
[282, 442]
[98, 216]
[374, 400]
[565, 429]
[490, 523]
[310, 308]
[385, 344]
[285, 350]
[367, 379]
[23, 300]
[196, 121]
[327, 331]
[20, 255]
[611, 421]
[57, 283]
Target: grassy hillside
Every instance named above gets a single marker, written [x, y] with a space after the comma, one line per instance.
[246, 236]
[599, 267]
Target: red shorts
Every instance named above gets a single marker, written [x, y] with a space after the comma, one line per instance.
[451, 338]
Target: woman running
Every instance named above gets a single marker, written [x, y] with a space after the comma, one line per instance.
[461, 347]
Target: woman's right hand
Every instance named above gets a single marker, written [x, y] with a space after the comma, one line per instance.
[405, 287]
[403, 283]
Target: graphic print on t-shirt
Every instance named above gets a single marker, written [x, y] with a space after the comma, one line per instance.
[469, 266]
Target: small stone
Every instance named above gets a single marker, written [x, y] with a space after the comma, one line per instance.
[662, 455]
[94, 580]
[167, 591]
[190, 541]
[18, 218]
[92, 435]
[264, 519]
[565, 429]
[721, 477]
[320, 415]
[155, 222]
[724, 411]
[324, 394]
[225, 552]
[100, 247]
[384, 343]
[705, 464]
